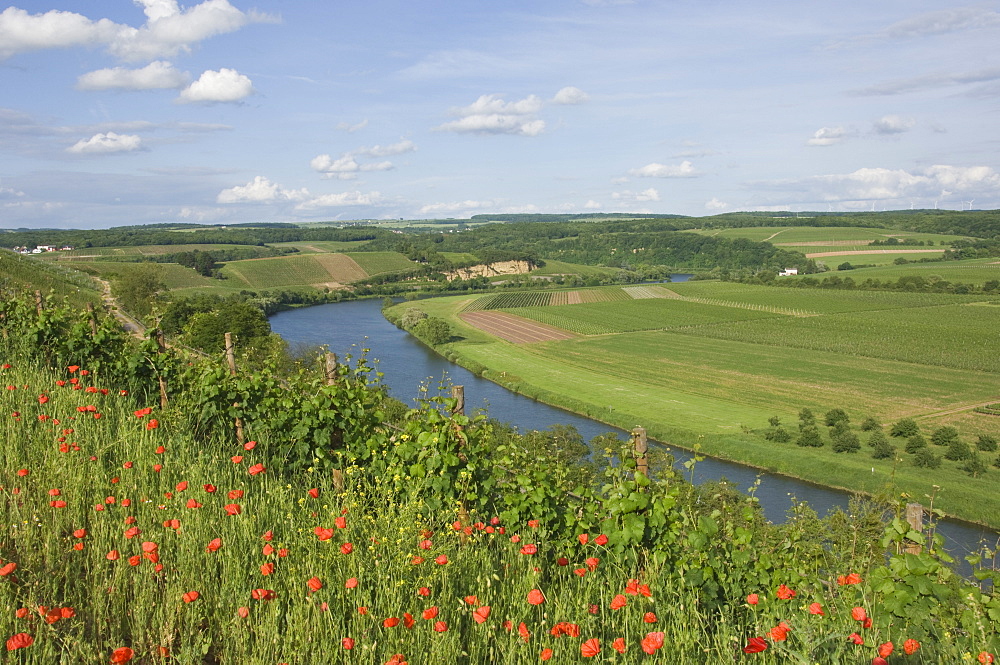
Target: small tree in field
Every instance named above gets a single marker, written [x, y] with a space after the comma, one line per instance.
[926, 459]
[958, 450]
[943, 436]
[986, 443]
[915, 444]
[834, 417]
[806, 418]
[883, 449]
[809, 437]
[905, 427]
[974, 466]
[869, 424]
[846, 441]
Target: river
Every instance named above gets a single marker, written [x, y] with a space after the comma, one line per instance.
[408, 367]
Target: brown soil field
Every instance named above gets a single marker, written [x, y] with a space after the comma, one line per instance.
[513, 328]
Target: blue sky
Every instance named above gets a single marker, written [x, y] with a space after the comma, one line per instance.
[223, 111]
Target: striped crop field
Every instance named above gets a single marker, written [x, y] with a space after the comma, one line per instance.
[511, 300]
[975, 271]
[633, 315]
[341, 268]
[607, 294]
[377, 263]
[277, 272]
[641, 292]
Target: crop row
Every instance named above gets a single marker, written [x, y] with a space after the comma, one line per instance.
[511, 300]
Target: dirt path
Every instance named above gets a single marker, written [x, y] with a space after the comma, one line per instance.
[131, 326]
[773, 234]
[957, 409]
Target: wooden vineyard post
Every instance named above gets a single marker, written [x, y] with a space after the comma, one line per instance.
[458, 394]
[92, 319]
[162, 348]
[641, 446]
[915, 516]
[38, 302]
[330, 372]
[231, 359]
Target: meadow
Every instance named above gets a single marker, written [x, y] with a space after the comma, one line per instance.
[708, 367]
[971, 271]
[140, 527]
[805, 236]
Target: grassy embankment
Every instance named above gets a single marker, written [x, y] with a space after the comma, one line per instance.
[710, 369]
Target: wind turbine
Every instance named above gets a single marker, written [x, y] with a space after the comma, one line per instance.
[970, 203]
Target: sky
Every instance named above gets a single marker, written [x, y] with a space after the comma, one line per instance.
[224, 111]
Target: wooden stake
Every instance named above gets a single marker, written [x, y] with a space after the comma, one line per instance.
[330, 367]
[231, 359]
[93, 319]
[38, 302]
[641, 446]
[915, 516]
[458, 394]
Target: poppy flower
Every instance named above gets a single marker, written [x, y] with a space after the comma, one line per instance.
[546, 654]
[618, 602]
[584, 538]
[441, 560]
[340, 522]
[346, 548]
[190, 596]
[816, 608]
[323, 534]
[859, 614]
[885, 649]
[755, 645]
[985, 657]
[347, 643]
[852, 578]
[121, 655]
[753, 599]
[430, 613]
[562, 561]
[440, 626]
[256, 469]
[785, 593]
[857, 639]
[362, 611]
[590, 648]
[236, 459]
[351, 583]
[408, 620]
[654, 641]
[214, 545]
[536, 597]
[910, 646]
[19, 641]
[152, 424]
[529, 549]
[391, 622]
[268, 549]
[424, 591]
[267, 568]
[243, 612]
[522, 630]
[132, 532]
[481, 614]
[191, 503]
[314, 583]
[779, 633]
[112, 555]
[233, 509]
[592, 563]
[601, 540]
[878, 660]
[314, 492]
[23, 472]
[649, 617]
[263, 594]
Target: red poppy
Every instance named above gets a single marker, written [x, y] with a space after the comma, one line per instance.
[23, 472]
[536, 597]
[362, 611]
[546, 654]
[323, 534]
[618, 602]
[214, 545]
[885, 649]
[910, 646]
[857, 639]
[263, 594]
[779, 633]
[132, 532]
[347, 643]
[592, 563]
[152, 424]
[430, 613]
[590, 648]
[529, 549]
[340, 522]
[190, 596]
[236, 459]
[249, 445]
[441, 559]
[859, 614]
[755, 645]
[878, 660]
[652, 642]
[522, 630]
[351, 583]
[314, 492]
[481, 614]
[391, 622]
[20, 641]
[753, 599]
[424, 591]
[649, 617]
[440, 626]
[267, 568]
[583, 538]
[233, 509]
[121, 655]
[816, 608]
[619, 645]
[256, 469]
[785, 593]
[314, 583]
[601, 540]
[852, 578]
[191, 503]
[985, 657]
[346, 548]
[408, 620]
[243, 612]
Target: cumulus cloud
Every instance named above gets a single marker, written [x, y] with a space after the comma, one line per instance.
[636, 197]
[157, 75]
[456, 206]
[715, 204]
[346, 167]
[167, 32]
[592, 205]
[827, 136]
[893, 124]
[490, 114]
[106, 143]
[570, 95]
[260, 190]
[655, 170]
[354, 198]
[225, 85]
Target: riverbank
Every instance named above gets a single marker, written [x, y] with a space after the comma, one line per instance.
[619, 402]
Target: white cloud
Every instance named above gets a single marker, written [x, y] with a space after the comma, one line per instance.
[347, 127]
[893, 124]
[225, 85]
[158, 75]
[260, 190]
[655, 170]
[9, 192]
[456, 206]
[715, 204]
[636, 197]
[570, 95]
[399, 148]
[592, 205]
[490, 114]
[827, 136]
[354, 198]
[167, 31]
[106, 143]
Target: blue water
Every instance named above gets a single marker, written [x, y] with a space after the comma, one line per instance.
[410, 368]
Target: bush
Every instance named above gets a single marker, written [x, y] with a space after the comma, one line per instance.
[778, 434]
[943, 436]
[809, 437]
[974, 466]
[883, 450]
[958, 450]
[836, 416]
[877, 438]
[806, 418]
[846, 442]
[986, 443]
[869, 424]
[433, 330]
[915, 443]
[926, 459]
[905, 427]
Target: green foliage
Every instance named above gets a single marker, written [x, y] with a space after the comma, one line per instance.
[835, 417]
[905, 427]
[206, 330]
[806, 418]
[958, 450]
[870, 424]
[986, 443]
[809, 437]
[974, 465]
[943, 436]
[881, 448]
[926, 459]
[915, 443]
[433, 330]
[137, 289]
[846, 441]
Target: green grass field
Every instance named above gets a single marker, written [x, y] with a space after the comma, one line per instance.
[974, 271]
[321, 246]
[711, 369]
[377, 263]
[563, 268]
[822, 235]
[174, 276]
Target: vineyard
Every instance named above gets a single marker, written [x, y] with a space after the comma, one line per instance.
[377, 263]
[18, 273]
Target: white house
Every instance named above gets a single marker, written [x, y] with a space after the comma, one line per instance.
[788, 271]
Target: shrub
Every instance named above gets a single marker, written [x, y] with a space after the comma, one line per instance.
[915, 443]
[974, 466]
[806, 418]
[779, 435]
[943, 436]
[846, 442]
[877, 438]
[905, 427]
[986, 443]
[836, 416]
[869, 424]
[883, 450]
[958, 450]
[926, 459]
[809, 437]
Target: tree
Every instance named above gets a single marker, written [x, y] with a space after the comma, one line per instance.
[806, 418]
[846, 441]
[869, 424]
[206, 330]
[774, 421]
[877, 438]
[915, 443]
[943, 436]
[926, 459]
[882, 448]
[905, 427]
[974, 466]
[958, 450]
[778, 434]
[836, 416]
[986, 443]
[411, 317]
[138, 287]
[809, 437]
[433, 330]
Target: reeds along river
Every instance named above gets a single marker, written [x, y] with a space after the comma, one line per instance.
[409, 367]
